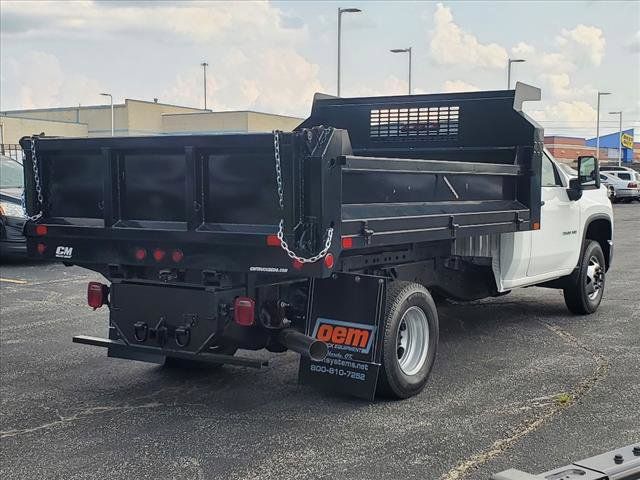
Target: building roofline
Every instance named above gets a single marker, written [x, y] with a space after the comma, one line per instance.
[204, 112]
[2, 114]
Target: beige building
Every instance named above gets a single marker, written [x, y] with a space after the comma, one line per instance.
[133, 118]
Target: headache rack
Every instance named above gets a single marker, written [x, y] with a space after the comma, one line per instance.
[378, 172]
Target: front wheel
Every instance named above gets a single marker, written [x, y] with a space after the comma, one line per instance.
[583, 293]
[410, 340]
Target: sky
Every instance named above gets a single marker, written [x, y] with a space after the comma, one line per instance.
[273, 56]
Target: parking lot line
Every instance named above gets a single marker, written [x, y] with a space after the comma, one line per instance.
[12, 280]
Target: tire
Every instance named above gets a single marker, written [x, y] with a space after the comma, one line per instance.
[405, 372]
[584, 292]
[183, 363]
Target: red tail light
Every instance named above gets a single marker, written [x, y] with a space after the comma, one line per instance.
[41, 230]
[297, 264]
[347, 242]
[244, 309]
[177, 256]
[96, 294]
[141, 254]
[273, 241]
[159, 254]
[632, 185]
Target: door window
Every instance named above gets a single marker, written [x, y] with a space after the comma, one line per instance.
[550, 177]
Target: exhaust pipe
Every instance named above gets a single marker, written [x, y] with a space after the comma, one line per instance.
[302, 344]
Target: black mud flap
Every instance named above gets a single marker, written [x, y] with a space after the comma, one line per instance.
[346, 312]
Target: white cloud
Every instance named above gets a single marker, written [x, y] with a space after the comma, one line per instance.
[39, 80]
[453, 86]
[252, 47]
[634, 44]
[559, 86]
[451, 45]
[523, 49]
[574, 114]
[583, 45]
[391, 85]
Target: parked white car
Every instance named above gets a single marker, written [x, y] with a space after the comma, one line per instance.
[623, 186]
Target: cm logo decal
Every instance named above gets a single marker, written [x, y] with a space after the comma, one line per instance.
[64, 252]
[356, 337]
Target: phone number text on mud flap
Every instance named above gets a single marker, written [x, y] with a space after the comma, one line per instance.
[339, 372]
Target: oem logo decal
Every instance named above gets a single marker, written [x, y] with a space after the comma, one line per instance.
[64, 252]
[356, 337]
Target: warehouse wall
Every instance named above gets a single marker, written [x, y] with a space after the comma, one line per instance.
[264, 122]
[13, 129]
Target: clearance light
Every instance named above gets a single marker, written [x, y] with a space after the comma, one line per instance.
[244, 309]
[536, 226]
[141, 254]
[177, 256]
[159, 254]
[273, 241]
[41, 230]
[41, 247]
[347, 242]
[96, 294]
[329, 261]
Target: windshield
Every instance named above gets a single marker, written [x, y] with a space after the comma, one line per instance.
[10, 174]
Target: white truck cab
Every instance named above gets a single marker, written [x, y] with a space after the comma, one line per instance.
[576, 221]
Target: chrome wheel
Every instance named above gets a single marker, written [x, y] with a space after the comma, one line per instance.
[412, 340]
[594, 280]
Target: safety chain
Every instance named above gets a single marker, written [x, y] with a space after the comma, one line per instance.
[36, 179]
[283, 244]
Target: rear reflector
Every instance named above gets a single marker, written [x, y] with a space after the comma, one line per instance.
[158, 254]
[297, 264]
[347, 242]
[96, 294]
[41, 230]
[41, 248]
[177, 256]
[329, 261]
[244, 311]
[141, 254]
[273, 241]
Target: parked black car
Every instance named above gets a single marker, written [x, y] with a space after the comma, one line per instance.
[12, 216]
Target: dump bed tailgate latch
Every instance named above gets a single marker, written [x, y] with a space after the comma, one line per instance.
[367, 232]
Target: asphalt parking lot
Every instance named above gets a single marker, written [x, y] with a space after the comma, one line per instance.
[519, 382]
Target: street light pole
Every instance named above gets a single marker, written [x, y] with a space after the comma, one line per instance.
[340, 12]
[598, 124]
[111, 98]
[204, 66]
[619, 137]
[515, 60]
[409, 51]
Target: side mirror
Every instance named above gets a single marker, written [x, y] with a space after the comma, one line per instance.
[588, 173]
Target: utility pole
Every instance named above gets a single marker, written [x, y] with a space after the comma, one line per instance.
[409, 51]
[204, 66]
[340, 12]
[112, 119]
[619, 137]
[516, 60]
[598, 124]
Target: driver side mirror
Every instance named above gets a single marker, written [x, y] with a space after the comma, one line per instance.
[588, 172]
[588, 177]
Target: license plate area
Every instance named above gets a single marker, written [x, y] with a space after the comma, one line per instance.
[169, 318]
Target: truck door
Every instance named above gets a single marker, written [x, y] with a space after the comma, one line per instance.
[554, 247]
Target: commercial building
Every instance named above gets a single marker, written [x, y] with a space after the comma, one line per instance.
[134, 117]
[568, 149]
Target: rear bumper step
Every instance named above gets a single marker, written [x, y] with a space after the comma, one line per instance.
[120, 347]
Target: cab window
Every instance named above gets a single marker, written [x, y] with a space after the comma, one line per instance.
[550, 177]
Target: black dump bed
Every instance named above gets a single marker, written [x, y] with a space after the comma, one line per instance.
[379, 172]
